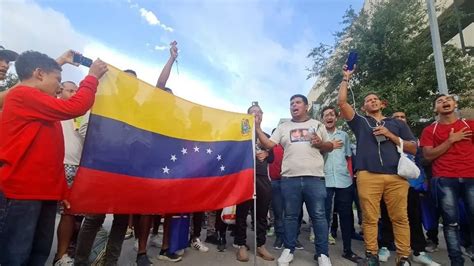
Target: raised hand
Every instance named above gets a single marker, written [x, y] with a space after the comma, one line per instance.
[347, 74]
[174, 49]
[98, 68]
[67, 58]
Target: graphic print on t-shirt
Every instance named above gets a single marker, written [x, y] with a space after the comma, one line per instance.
[300, 135]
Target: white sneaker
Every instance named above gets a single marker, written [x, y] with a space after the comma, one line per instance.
[197, 244]
[424, 259]
[64, 260]
[384, 254]
[324, 260]
[135, 245]
[155, 241]
[285, 258]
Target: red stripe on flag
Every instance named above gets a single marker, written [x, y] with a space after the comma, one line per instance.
[96, 191]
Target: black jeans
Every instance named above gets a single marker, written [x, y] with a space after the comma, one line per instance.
[343, 198]
[264, 197]
[197, 224]
[88, 232]
[417, 238]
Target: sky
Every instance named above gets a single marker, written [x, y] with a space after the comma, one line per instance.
[231, 52]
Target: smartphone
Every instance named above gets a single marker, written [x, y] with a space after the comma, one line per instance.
[254, 103]
[78, 58]
[351, 60]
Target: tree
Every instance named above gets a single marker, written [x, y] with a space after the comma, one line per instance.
[9, 81]
[395, 60]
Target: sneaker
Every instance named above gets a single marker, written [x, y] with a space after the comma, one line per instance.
[155, 241]
[424, 259]
[135, 245]
[221, 242]
[331, 240]
[271, 231]
[179, 252]
[403, 261]
[129, 233]
[197, 244]
[165, 255]
[278, 243]
[64, 260]
[349, 255]
[324, 260]
[370, 260]
[142, 260]
[285, 258]
[384, 254]
[431, 246]
[298, 245]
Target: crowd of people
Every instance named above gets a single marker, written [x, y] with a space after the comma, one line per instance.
[304, 162]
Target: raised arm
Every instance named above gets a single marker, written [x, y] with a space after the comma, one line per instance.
[165, 73]
[347, 112]
[262, 137]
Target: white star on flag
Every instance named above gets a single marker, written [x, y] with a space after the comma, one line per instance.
[196, 149]
[222, 168]
[209, 151]
[184, 151]
[219, 157]
[166, 170]
[173, 158]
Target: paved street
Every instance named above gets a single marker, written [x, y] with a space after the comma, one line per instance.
[215, 258]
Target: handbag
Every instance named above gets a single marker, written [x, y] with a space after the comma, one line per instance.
[228, 214]
[179, 232]
[406, 167]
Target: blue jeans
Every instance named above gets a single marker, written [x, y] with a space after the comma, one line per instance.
[277, 206]
[343, 198]
[448, 192]
[26, 231]
[312, 191]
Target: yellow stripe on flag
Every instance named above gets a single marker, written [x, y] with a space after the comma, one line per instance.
[122, 97]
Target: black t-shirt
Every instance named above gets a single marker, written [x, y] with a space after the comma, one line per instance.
[371, 157]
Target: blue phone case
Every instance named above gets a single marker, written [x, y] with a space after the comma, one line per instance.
[351, 60]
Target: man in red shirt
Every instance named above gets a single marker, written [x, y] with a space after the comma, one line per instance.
[274, 170]
[448, 143]
[32, 152]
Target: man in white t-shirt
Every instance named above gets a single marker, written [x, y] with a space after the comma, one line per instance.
[73, 143]
[304, 141]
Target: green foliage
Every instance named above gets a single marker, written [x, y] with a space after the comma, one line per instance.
[393, 60]
[9, 82]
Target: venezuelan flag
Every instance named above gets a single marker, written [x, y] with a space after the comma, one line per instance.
[148, 151]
